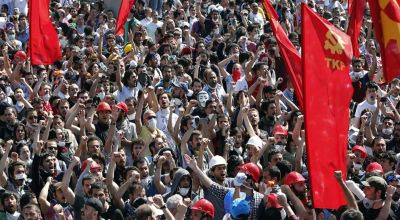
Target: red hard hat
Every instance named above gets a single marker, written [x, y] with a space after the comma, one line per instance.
[293, 177]
[203, 205]
[103, 106]
[361, 150]
[122, 106]
[20, 55]
[251, 169]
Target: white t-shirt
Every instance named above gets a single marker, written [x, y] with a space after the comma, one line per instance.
[241, 84]
[162, 124]
[126, 92]
[151, 29]
[364, 105]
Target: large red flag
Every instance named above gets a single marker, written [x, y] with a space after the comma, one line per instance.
[356, 19]
[386, 19]
[123, 13]
[44, 47]
[289, 53]
[326, 55]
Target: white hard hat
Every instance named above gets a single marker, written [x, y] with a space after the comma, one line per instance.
[216, 161]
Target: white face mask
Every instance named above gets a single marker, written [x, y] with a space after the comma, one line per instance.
[387, 131]
[280, 147]
[202, 98]
[238, 150]
[21, 176]
[183, 191]
[61, 143]
[355, 76]
[369, 203]
[152, 123]
[46, 97]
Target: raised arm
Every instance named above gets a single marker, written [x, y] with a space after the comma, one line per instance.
[138, 116]
[45, 206]
[185, 140]
[161, 188]
[204, 179]
[118, 75]
[68, 193]
[3, 163]
[384, 213]
[298, 205]
[351, 201]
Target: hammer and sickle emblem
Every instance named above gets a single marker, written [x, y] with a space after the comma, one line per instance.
[334, 43]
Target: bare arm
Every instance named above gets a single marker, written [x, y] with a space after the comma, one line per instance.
[351, 201]
[384, 213]
[45, 206]
[138, 116]
[298, 205]
[3, 163]
[185, 139]
[157, 175]
[68, 193]
[204, 179]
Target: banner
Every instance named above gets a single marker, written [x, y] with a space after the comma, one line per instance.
[123, 13]
[326, 56]
[355, 23]
[44, 46]
[386, 19]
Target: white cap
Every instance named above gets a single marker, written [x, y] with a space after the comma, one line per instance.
[216, 161]
[256, 141]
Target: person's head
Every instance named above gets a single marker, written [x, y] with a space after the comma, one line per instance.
[212, 78]
[269, 109]
[10, 115]
[388, 161]
[58, 193]
[280, 135]
[164, 100]
[378, 145]
[143, 167]
[260, 69]
[387, 126]
[144, 212]
[87, 182]
[159, 142]
[31, 212]
[202, 210]
[297, 182]
[17, 172]
[352, 214]
[48, 163]
[104, 112]
[253, 174]
[92, 209]
[9, 202]
[135, 191]
[94, 145]
[120, 158]
[374, 188]
[274, 156]
[223, 121]
[51, 147]
[272, 173]
[173, 202]
[99, 191]
[195, 139]
[218, 168]
[137, 148]
[372, 91]
[149, 119]
[131, 171]
[254, 117]
[20, 131]
[130, 78]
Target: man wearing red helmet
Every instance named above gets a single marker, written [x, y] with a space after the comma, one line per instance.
[297, 183]
[244, 181]
[202, 210]
[103, 121]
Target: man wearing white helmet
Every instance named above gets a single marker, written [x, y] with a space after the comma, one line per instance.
[217, 173]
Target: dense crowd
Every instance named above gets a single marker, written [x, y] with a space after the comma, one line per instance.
[188, 115]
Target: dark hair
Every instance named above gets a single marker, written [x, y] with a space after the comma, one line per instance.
[127, 75]
[272, 153]
[140, 161]
[258, 66]
[7, 194]
[274, 172]
[135, 186]
[127, 169]
[372, 85]
[285, 167]
[26, 198]
[12, 166]
[98, 185]
[352, 214]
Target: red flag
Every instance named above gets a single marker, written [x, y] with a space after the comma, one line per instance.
[386, 19]
[349, 6]
[327, 54]
[289, 54]
[44, 47]
[271, 13]
[356, 19]
[123, 13]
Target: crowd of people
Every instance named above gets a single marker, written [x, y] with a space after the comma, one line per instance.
[188, 115]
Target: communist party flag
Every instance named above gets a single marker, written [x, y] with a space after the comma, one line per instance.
[356, 18]
[386, 19]
[326, 55]
[289, 53]
[123, 13]
[44, 47]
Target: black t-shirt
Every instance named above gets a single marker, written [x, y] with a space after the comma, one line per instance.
[369, 214]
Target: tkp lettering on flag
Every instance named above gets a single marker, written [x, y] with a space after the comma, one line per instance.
[334, 46]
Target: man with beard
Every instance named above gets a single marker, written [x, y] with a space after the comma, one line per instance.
[43, 166]
[212, 84]
[164, 116]
[31, 212]
[254, 118]
[297, 184]
[127, 87]
[9, 203]
[370, 102]
[217, 173]
[16, 180]
[378, 198]
[246, 180]
[269, 119]
[9, 119]
[103, 121]
[166, 81]
[378, 146]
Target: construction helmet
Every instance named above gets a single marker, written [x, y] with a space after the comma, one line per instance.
[251, 169]
[293, 178]
[103, 106]
[216, 161]
[205, 206]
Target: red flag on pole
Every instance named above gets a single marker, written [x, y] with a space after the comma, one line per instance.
[289, 53]
[349, 6]
[271, 13]
[386, 19]
[356, 19]
[123, 13]
[44, 47]
[326, 55]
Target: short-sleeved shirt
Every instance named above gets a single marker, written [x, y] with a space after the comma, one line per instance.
[220, 191]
